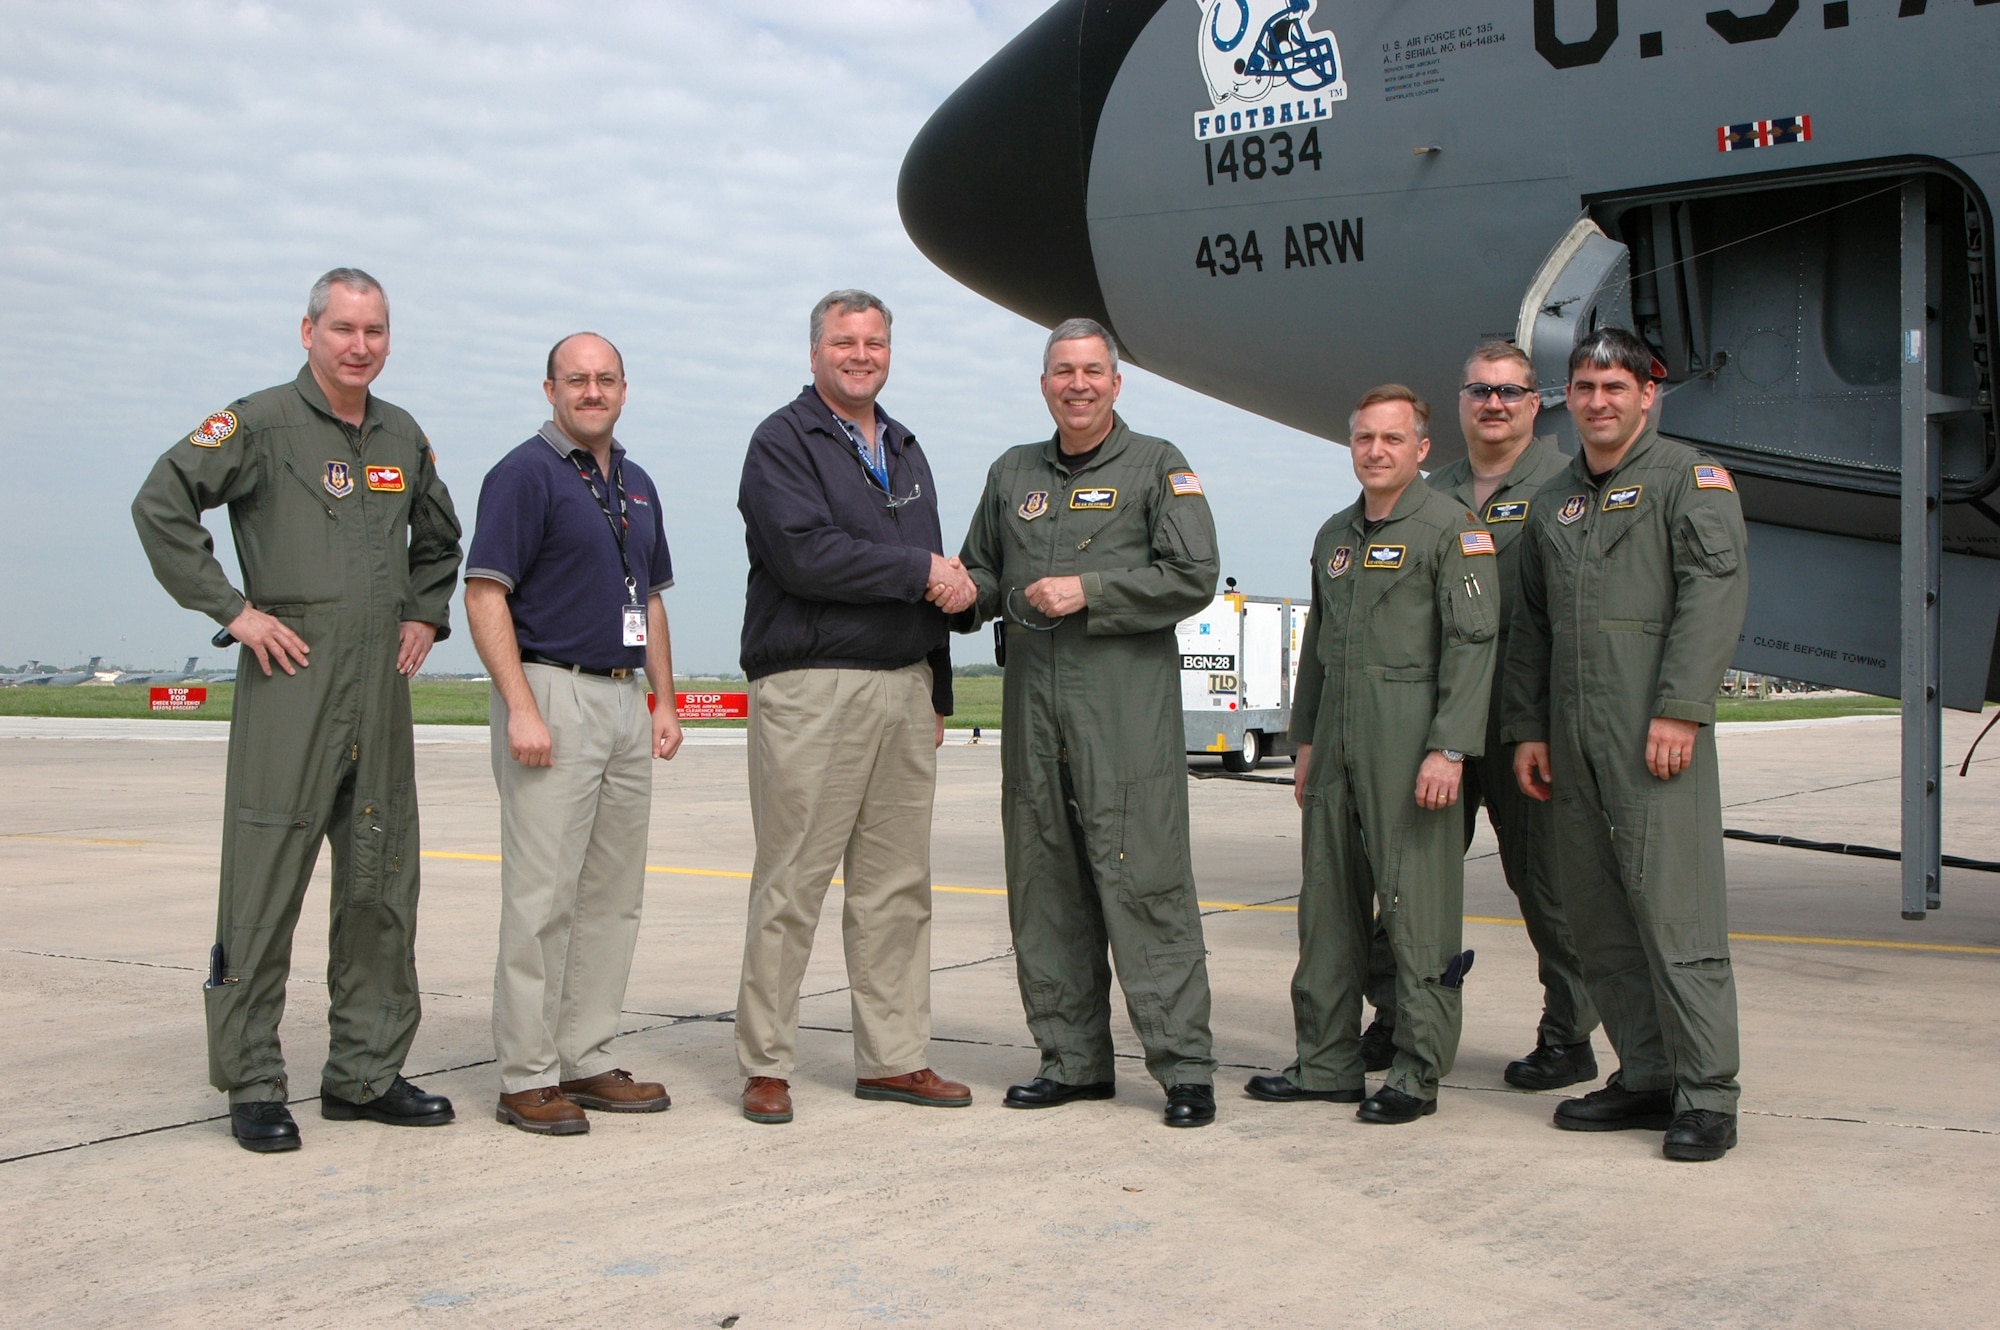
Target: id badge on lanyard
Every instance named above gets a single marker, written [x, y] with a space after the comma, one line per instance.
[635, 622]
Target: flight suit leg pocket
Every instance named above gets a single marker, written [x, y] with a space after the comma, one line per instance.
[376, 848]
[1022, 837]
[1149, 851]
[1179, 1002]
[266, 862]
[1668, 887]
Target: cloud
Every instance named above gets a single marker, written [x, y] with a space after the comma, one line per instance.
[685, 178]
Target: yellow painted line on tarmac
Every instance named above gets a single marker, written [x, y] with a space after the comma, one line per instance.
[73, 840]
[1881, 944]
[1235, 907]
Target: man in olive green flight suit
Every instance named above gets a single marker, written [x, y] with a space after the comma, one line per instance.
[1395, 670]
[1504, 466]
[1092, 547]
[1633, 591]
[350, 549]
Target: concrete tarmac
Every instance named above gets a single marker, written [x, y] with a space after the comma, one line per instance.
[1863, 1193]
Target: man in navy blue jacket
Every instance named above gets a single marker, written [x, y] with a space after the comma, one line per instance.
[848, 656]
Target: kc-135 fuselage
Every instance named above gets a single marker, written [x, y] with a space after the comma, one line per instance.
[1412, 165]
[1281, 202]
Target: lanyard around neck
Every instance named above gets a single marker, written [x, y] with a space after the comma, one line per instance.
[619, 524]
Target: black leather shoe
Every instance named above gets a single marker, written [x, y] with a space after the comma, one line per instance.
[1378, 1045]
[1045, 1093]
[1615, 1108]
[1552, 1066]
[401, 1105]
[1700, 1134]
[265, 1127]
[1190, 1105]
[1279, 1089]
[1391, 1105]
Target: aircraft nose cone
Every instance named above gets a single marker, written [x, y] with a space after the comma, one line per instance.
[992, 189]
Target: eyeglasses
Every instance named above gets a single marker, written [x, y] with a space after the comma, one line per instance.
[1510, 394]
[578, 382]
[1047, 625]
[904, 500]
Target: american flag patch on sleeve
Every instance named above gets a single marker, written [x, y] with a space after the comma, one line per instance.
[1476, 542]
[1712, 478]
[1185, 482]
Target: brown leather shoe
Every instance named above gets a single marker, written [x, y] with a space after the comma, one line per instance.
[924, 1087]
[543, 1110]
[767, 1099]
[615, 1091]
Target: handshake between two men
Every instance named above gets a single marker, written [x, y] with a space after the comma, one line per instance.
[951, 589]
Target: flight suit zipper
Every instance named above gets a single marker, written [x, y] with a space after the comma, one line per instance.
[324, 505]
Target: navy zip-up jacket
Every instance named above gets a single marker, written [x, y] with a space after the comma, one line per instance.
[837, 576]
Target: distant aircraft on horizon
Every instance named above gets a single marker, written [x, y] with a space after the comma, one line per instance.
[157, 676]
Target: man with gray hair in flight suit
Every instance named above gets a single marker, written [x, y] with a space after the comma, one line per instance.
[349, 549]
[1092, 545]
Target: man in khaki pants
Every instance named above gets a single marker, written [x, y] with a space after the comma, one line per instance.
[563, 595]
[850, 682]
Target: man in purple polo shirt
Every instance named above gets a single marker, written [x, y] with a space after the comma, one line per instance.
[563, 594]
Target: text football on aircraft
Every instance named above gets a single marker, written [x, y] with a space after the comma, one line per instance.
[1280, 203]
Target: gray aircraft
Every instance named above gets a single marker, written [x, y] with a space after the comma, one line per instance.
[28, 673]
[1281, 202]
[67, 678]
[159, 676]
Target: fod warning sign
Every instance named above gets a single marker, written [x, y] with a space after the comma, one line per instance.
[710, 706]
[176, 697]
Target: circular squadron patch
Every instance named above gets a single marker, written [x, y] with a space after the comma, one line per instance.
[214, 430]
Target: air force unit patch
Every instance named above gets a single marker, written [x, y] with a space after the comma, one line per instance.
[1512, 510]
[1034, 505]
[1712, 478]
[1572, 509]
[1099, 498]
[1626, 496]
[1337, 566]
[1384, 556]
[215, 430]
[338, 482]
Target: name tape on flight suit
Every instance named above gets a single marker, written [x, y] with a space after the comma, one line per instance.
[1476, 542]
[1626, 496]
[1384, 556]
[388, 478]
[1101, 498]
[1034, 505]
[1184, 482]
[1338, 565]
[1512, 510]
[1572, 509]
[1712, 478]
[214, 430]
[339, 481]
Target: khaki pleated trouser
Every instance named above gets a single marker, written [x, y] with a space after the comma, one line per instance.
[572, 876]
[843, 768]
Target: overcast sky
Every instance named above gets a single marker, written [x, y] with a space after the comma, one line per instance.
[685, 178]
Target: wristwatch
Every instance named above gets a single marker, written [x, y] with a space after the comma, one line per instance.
[1451, 755]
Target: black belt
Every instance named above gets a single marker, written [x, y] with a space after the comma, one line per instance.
[537, 658]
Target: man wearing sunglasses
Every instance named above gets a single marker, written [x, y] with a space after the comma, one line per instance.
[1504, 466]
[1092, 545]
[849, 662]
